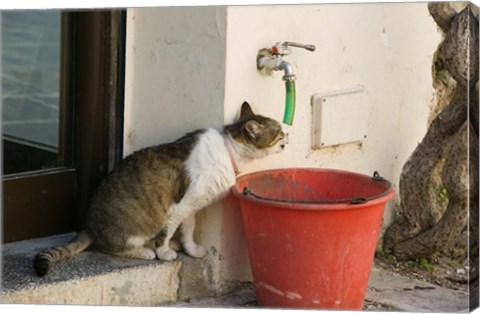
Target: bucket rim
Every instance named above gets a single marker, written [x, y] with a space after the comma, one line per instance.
[343, 204]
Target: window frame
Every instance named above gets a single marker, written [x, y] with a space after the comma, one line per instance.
[92, 83]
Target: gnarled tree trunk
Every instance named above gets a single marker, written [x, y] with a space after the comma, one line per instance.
[447, 157]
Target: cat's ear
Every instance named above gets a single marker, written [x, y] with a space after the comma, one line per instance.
[246, 111]
[253, 128]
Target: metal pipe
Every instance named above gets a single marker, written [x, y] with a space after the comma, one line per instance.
[277, 64]
[287, 71]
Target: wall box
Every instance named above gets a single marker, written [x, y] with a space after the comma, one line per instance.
[339, 117]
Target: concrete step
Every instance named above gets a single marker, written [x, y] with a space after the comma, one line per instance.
[242, 298]
[98, 279]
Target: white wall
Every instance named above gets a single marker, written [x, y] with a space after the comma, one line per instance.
[175, 73]
[386, 48]
[193, 67]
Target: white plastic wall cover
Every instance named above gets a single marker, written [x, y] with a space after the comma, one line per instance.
[339, 117]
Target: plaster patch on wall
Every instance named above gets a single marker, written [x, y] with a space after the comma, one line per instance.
[131, 137]
[385, 38]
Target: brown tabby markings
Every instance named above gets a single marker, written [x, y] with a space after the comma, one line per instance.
[138, 207]
[128, 201]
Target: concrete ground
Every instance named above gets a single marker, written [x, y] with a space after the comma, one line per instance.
[386, 292]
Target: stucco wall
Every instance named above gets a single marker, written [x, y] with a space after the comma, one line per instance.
[175, 73]
[193, 67]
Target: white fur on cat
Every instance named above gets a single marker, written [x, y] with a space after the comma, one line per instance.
[211, 176]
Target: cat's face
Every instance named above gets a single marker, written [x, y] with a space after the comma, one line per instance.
[260, 135]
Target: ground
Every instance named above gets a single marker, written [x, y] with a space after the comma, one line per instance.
[445, 272]
[388, 291]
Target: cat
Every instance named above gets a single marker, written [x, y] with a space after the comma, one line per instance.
[138, 207]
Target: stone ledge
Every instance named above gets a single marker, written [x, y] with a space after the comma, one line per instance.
[98, 279]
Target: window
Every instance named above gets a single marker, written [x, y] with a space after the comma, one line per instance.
[31, 46]
[62, 108]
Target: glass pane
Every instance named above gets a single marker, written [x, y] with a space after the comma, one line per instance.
[30, 50]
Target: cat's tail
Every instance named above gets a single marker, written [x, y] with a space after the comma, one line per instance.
[44, 260]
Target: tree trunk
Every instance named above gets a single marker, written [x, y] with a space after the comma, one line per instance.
[455, 177]
[428, 223]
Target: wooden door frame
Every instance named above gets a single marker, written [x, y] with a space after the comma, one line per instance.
[53, 202]
[100, 100]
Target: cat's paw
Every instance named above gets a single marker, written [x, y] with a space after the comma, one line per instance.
[195, 250]
[146, 253]
[166, 254]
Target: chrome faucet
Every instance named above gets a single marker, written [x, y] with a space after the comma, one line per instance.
[271, 59]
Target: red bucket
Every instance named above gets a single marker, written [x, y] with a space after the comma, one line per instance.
[311, 234]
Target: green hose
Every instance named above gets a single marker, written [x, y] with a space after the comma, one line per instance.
[289, 102]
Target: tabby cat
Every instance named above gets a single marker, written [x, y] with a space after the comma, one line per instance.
[140, 204]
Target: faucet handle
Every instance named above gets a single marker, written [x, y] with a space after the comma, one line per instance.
[308, 47]
[282, 48]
